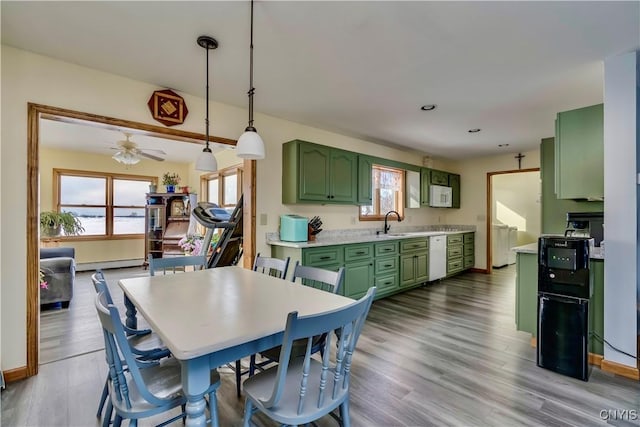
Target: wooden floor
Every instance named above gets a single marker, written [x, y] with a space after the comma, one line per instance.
[444, 354]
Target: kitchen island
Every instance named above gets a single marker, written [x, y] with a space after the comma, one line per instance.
[527, 294]
[392, 262]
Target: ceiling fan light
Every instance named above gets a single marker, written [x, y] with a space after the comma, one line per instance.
[126, 158]
[250, 145]
[206, 162]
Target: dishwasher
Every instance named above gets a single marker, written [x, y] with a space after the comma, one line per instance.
[437, 257]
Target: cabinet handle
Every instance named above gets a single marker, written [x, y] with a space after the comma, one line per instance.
[387, 250]
[328, 197]
[387, 283]
[360, 253]
[388, 265]
[325, 257]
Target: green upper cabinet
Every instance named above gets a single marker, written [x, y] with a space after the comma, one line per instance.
[579, 153]
[439, 177]
[425, 182]
[313, 173]
[454, 183]
[365, 185]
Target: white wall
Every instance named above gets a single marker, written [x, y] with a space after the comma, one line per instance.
[621, 205]
[27, 77]
[519, 194]
[473, 183]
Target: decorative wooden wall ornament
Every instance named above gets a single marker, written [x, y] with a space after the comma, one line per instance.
[167, 107]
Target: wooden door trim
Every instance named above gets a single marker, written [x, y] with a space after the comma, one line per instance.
[37, 111]
[489, 217]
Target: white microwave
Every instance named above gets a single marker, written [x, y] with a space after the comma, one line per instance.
[439, 196]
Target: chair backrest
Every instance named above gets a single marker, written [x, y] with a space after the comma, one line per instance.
[333, 381]
[176, 264]
[271, 266]
[319, 278]
[100, 285]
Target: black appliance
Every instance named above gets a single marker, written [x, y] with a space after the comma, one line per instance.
[586, 224]
[563, 305]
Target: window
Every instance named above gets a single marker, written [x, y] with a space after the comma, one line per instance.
[108, 205]
[223, 187]
[388, 193]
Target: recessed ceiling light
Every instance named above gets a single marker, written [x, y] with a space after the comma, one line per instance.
[476, 130]
[503, 145]
[428, 107]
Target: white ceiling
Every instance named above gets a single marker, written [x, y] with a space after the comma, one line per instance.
[360, 68]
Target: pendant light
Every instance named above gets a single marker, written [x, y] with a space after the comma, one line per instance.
[250, 146]
[206, 160]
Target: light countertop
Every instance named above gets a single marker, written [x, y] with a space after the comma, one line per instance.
[348, 238]
[532, 248]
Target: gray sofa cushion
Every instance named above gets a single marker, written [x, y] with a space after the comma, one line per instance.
[60, 273]
[57, 252]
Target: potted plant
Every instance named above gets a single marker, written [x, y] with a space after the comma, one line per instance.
[52, 223]
[170, 180]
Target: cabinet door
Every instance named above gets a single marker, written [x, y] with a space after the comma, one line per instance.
[358, 278]
[154, 229]
[580, 153]
[439, 177]
[425, 182]
[422, 267]
[314, 169]
[343, 176]
[407, 270]
[454, 183]
[365, 191]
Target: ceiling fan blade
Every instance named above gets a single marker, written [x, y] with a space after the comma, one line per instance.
[153, 150]
[150, 156]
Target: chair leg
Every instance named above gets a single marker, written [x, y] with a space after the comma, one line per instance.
[107, 415]
[213, 409]
[117, 421]
[344, 413]
[248, 411]
[103, 398]
[252, 365]
[238, 376]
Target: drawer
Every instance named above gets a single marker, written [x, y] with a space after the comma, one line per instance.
[468, 250]
[454, 251]
[439, 177]
[413, 245]
[453, 239]
[468, 238]
[386, 265]
[386, 248]
[324, 255]
[454, 266]
[358, 252]
[468, 262]
[386, 282]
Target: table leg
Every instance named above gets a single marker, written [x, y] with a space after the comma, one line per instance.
[195, 382]
[132, 320]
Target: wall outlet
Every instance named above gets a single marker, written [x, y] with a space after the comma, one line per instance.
[263, 219]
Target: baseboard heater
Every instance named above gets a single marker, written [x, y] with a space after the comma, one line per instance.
[87, 266]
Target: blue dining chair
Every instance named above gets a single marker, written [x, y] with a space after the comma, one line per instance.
[273, 267]
[318, 278]
[137, 393]
[145, 345]
[306, 389]
[176, 264]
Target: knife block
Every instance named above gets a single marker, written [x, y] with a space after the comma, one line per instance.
[312, 237]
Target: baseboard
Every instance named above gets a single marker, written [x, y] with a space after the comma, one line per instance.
[479, 270]
[620, 369]
[16, 374]
[88, 266]
[596, 359]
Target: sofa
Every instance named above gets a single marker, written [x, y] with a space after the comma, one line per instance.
[59, 268]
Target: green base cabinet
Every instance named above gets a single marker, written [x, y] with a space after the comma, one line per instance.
[596, 306]
[313, 173]
[414, 262]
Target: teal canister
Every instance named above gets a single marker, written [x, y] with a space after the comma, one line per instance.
[293, 228]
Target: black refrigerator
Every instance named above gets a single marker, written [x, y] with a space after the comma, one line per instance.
[563, 305]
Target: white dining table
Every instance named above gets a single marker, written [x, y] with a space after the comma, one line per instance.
[212, 317]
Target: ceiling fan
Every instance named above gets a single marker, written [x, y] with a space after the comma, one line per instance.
[129, 154]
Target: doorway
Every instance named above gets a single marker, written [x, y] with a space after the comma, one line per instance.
[37, 112]
[513, 207]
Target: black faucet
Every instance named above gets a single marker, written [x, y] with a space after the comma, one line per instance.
[386, 216]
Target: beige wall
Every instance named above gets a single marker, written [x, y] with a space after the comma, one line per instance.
[473, 179]
[520, 194]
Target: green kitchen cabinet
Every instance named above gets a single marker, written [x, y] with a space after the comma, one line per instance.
[579, 153]
[365, 184]
[425, 182]
[439, 177]
[454, 183]
[358, 275]
[313, 173]
[469, 250]
[455, 254]
[414, 262]
[386, 267]
[527, 292]
[596, 306]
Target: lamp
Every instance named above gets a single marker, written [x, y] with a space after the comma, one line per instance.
[250, 145]
[206, 160]
[126, 157]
